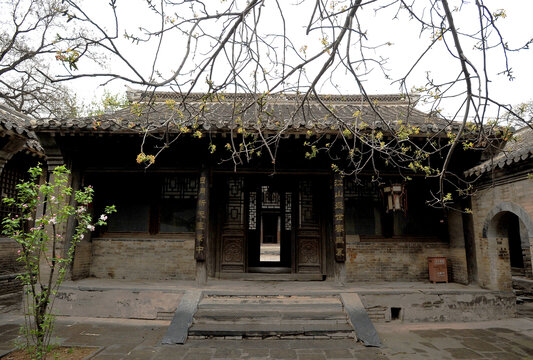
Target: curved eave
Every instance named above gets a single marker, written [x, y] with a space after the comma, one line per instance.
[500, 162]
[117, 127]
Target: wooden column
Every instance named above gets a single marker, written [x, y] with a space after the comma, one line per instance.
[338, 229]
[75, 182]
[338, 218]
[200, 245]
[54, 156]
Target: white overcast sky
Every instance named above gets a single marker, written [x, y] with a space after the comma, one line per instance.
[517, 28]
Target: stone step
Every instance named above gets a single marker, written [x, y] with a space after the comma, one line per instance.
[270, 300]
[524, 299]
[257, 308]
[248, 316]
[264, 330]
[269, 321]
[319, 313]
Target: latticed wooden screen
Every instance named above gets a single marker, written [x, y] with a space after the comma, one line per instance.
[9, 178]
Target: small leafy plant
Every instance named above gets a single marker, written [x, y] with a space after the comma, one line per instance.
[38, 227]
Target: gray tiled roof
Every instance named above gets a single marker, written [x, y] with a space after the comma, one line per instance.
[14, 122]
[230, 111]
[519, 148]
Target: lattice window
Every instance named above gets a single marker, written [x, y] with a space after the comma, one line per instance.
[252, 211]
[363, 190]
[288, 211]
[9, 178]
[269, 199]
[307, 213]
[180, 187]
[362, 208]
[235, 203]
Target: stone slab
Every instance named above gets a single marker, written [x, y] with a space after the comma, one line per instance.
[285, 314]
[179, 327]
[254, 329]
[364, 329]
[147, 304]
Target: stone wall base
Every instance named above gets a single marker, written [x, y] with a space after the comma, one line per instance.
[435, 306]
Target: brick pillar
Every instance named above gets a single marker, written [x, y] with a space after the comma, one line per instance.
[457, 254]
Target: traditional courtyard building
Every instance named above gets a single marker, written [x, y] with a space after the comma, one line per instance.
[192, 215]
[215, 205]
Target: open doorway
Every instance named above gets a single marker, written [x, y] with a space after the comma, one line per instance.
[507, 225]
[269, 234]
[516, 255]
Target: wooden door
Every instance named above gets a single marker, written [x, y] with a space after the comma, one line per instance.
[309, 242]
[232, 238]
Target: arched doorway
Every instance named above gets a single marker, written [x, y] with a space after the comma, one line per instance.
[507, 225]
[507, 229]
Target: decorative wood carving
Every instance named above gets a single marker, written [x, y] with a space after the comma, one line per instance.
[181, 187]
[288, 211]
[235, 203]
[309, 252]
[233, 245]
[308, 216]
[252, 211]
[232, 250]
[308, 241]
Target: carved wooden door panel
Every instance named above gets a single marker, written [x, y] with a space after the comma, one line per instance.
[308, 238]
[233, 230]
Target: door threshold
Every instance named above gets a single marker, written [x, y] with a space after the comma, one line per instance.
[269, 269]
[271, 277]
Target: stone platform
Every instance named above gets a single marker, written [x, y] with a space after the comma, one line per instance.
[384, 302]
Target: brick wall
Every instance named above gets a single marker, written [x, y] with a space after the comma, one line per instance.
[492, 252]
[81, 266]
[9, 284]
[8, 256]
[399, 260]
[144, 258]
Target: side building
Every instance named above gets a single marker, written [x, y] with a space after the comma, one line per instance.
[19, 149]
[502, 208]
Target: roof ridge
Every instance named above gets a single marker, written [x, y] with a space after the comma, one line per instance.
[403, 99]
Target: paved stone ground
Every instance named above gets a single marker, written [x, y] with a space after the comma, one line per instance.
[139, 339]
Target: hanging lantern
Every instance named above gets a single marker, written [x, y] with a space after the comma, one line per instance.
[395, 197]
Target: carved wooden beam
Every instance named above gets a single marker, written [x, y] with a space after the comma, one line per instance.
[54, 156]
[12, 146]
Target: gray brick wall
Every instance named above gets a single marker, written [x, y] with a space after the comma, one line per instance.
[493, 252]
[400, 260]
[144, 258]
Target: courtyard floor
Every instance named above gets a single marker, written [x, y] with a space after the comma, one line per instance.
[140, 339]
